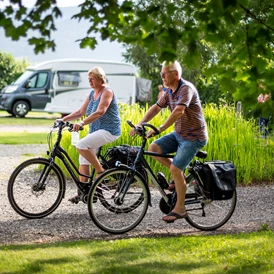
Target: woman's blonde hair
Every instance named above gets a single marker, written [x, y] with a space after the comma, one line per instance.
[98, 73]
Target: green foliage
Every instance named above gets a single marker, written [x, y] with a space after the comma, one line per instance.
[231, 137]
[149, 67]
[10, 68]
[232, 41]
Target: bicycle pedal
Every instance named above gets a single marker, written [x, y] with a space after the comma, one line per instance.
[162, 180]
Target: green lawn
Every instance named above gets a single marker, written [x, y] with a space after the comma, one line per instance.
[22, 138]
[32, 118]
[242, 253]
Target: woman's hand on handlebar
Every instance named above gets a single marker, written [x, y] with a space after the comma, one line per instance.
[132, 132]
[77, 127]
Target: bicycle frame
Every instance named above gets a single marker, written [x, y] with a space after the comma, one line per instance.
[59, 152]
[125, 195]
[155, 181]
[141, 159]
[150, 173]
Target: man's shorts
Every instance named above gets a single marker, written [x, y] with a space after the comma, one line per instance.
[185, 149]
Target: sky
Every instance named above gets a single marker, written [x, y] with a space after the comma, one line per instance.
[67, 47]
[31, 3]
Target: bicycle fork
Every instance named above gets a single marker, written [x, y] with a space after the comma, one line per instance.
[119, 199]
[40, 185]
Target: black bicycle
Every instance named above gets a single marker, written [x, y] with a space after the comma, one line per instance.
[127, 194]
[37, 186]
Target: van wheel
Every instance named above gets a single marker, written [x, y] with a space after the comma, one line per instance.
[20, 109]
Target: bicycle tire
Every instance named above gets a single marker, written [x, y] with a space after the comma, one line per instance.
[25, 195]
[115, 208]
[108, 214]
[203, 213]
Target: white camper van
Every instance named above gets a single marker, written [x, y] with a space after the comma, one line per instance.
[62, 86]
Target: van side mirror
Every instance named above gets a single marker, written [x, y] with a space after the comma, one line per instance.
[28, 84]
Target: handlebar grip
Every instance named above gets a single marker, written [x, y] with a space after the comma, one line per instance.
[143, 127]
[152, 127]
[130, 123]
[71, 126]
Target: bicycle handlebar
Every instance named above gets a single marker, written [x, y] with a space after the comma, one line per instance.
[61, 125]
[141, 130]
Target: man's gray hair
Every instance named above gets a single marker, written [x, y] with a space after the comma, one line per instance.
[173, 66]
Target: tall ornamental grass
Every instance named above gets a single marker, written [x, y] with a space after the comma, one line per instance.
[231, 137]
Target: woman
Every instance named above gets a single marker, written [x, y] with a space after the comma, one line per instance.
[102, 116]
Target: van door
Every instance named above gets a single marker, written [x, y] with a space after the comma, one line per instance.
[37, 88]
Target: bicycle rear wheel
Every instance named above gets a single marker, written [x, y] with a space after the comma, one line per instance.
[35, 189]
[112, 207]
[203, 213]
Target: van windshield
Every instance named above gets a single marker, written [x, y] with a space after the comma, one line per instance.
[23, 77]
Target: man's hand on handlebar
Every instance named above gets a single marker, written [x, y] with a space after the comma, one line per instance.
[136, 130]
[151, 133]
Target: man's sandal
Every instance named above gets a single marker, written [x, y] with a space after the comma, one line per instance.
[175, 215]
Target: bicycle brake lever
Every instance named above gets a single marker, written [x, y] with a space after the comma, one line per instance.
[139, 130]
[57, 123]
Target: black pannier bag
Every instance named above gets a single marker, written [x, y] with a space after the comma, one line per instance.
[123, 154]
[219, 179]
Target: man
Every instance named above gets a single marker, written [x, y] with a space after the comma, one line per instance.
[161, 91]
[190, 133]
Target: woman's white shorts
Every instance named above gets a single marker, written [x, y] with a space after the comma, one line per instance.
[94, 141]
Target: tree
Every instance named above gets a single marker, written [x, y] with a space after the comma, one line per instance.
[149, 67]
[239, 32]
[10, 68]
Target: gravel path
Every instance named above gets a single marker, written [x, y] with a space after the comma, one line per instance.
[72, 222]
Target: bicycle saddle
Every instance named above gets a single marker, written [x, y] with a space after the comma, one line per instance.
[201, 154]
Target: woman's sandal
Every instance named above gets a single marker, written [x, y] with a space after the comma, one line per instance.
[75, 200]
[99, 173]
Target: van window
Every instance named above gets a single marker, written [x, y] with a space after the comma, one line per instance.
[39, 80]
[69, 79]
[23, 77]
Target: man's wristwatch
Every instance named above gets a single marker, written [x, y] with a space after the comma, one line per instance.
[161, 128]
[82, 123]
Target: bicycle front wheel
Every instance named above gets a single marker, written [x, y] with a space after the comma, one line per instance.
[203, 213]
[118, 201]
[36, 188]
